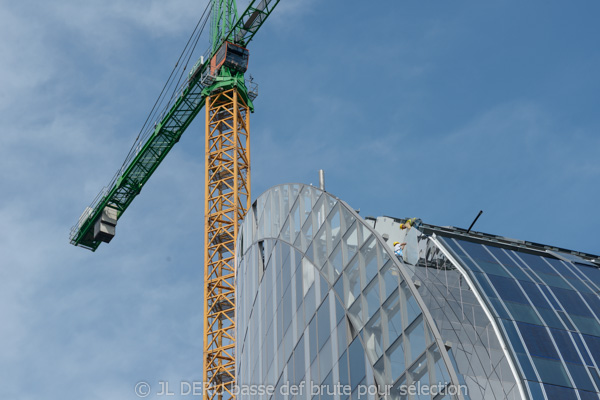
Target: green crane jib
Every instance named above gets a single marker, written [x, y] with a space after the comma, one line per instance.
[97, 223]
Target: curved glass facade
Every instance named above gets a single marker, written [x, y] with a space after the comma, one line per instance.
[523, 321]
[549, 310]
[325, 310]
[323, 301]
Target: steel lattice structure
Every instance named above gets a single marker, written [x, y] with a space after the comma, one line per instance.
[227, 198]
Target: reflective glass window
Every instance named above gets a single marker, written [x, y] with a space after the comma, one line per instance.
[420, 375]
[325, 360]
[334, 225]
[572, 302]
[551, 371]
[394, 316]
[522, 313]
[312, 339]
[374, 335]
[323, 326]
[593, 343]
[416, 338]
[580, 377]
[396, 356]
[565, 345]
[477, 251]
[336, 261]
[351, 242]
[352, 279]
[342, 338]
[373, 298]
[538, 340]
[343, 369]
[592, 273]
[535, 295]
[299, 361]
[550, 297]
[356, 359]
[593, 301]
[441, 372]
[508, 289]
[369, 254]
[586, 358]
[585, 395]
[391, 278]
[558, 392]
[536, 263]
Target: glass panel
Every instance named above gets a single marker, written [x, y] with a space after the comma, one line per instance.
[416, 339]
[334, 224]
[586, 325]
[306, 206]
[394, 317]
[336, 261]
[357, 313]
[307, 234]
[412, 308]
[551, 371]
[580, 376]
[537, 340]
[508, 289]
[319, 212]
[396, 355]
[588, 395]
[312, 330]
[419, 374]
[275, 216]
[285, 232]
[373, 298]
[347, 218]
[369, 254]
[550, 297]
[323, 325]
[296, 221]
[522, 312]
[310, 303]
[441, 372]
[584, 352]
[351, 242]
[572, 302]
[356, 358]
[325, 360]
[352, 279]
[308, 275]
[391, 278]
[565, 345]
[299, 361]
[320, 247]
[374, 335]
[343, 368]
[342, 338]
[366, 233]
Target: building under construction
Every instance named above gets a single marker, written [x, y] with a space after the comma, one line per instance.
[326, 306]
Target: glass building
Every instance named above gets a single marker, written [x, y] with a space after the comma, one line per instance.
[325, 310]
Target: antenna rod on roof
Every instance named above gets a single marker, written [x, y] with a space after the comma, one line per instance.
[475, 220]
[322, 180]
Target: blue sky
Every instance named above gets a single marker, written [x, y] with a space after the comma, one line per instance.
[432, 109]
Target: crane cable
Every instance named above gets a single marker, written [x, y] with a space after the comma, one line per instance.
[189, 51]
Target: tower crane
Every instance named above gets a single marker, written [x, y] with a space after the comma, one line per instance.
[216, 83]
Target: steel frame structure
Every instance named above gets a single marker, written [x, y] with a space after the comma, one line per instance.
[227, 199]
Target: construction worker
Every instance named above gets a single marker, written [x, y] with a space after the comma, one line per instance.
[398, 247]
[410, 222]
